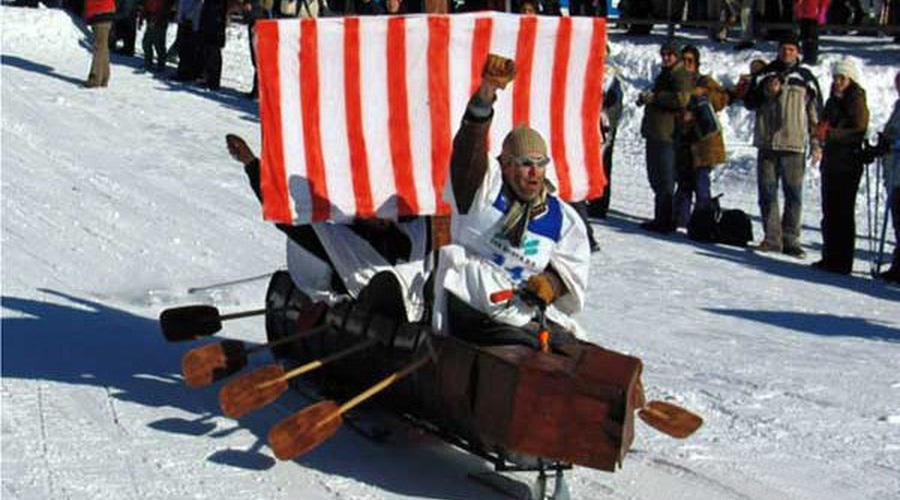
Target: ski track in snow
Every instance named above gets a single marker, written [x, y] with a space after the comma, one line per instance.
[115, 202]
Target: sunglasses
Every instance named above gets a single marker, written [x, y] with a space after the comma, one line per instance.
[528, 162]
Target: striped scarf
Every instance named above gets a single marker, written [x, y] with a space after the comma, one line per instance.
[521, 212]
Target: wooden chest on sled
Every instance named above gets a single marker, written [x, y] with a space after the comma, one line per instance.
[574, 407]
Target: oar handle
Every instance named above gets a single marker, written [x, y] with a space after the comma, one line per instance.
[375, 389]
[255, 312]
[290, 338]
[312, 365]
[228, 283]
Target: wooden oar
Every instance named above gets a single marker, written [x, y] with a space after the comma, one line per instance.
[670, 419]
[191, 322]
[204, 365]
[254, 390]
[308, 428]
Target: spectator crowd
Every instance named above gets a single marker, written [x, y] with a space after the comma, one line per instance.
[793, 130]
[795, 126]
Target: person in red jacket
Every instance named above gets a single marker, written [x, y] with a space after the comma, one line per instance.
[99, 15]
[810, 14]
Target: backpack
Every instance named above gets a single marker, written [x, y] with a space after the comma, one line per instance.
[714, 225]
[734, 228]
[702, 224]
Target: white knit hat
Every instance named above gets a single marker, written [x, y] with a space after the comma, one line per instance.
[847, 68]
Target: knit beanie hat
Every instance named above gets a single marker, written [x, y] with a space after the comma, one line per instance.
[523, 141]
[671, 46]
[847, 68]
[790, 39]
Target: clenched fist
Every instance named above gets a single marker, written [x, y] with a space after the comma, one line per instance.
[498, 71]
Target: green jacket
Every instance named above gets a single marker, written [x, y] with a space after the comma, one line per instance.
[671, 94]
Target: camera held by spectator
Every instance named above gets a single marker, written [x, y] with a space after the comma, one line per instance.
[645, 97]
[872, 152]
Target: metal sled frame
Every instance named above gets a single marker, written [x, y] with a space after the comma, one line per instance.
[495, 480]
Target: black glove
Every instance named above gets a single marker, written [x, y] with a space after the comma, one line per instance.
[870, 153]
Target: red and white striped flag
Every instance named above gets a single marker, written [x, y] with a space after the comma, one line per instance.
[358, 113]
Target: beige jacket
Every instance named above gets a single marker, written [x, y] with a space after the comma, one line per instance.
[785, 121]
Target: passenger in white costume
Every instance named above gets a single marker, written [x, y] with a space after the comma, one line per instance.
[331, 261]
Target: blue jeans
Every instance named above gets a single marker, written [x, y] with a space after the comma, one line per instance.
[661, 174]
[692, 183]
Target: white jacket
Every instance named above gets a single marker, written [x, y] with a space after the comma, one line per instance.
[356, 262]
[482, 261]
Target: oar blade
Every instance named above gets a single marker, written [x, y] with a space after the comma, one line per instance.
[204, 365]
[670, 419]
[252, 391]
[189, 322]
[301, 432]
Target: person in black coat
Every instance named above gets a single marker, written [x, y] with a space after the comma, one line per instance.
[255, 10]
[124, 27]
[613, 102]
[213, 18]
[842, 132]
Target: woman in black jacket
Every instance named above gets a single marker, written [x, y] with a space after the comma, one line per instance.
[841, 131]
[213, 19]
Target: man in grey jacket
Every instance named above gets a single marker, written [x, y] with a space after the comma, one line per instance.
[787, 101]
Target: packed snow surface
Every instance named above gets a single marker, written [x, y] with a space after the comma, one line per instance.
[116, 201]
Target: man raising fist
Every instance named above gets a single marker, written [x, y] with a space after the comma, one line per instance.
[509, 231]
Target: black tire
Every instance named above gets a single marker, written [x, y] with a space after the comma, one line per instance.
[284, 301]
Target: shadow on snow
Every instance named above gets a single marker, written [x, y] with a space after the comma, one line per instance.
[793, 269]
[25, 64]
[819, 324]
[89, 343]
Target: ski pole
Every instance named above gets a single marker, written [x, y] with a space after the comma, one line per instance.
[887, 210]
[875, 214]
[870, 230]
[228, 283]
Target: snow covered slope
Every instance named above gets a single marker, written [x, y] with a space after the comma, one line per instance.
[115, 202]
